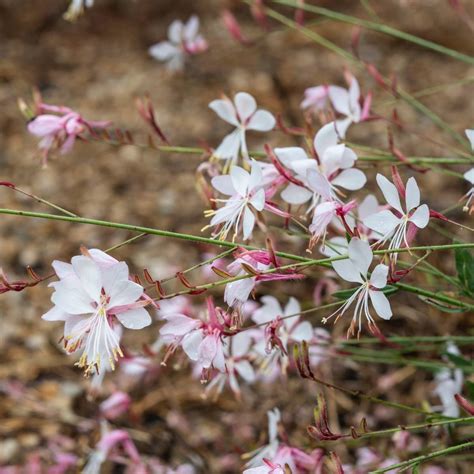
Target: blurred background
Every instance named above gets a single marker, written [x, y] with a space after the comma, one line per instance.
[98, 66]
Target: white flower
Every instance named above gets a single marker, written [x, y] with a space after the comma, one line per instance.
[335, 164]
[393, 224]
[346, 102]
[470, 136]
[355, 269]
[246, 196]
[449, 383]
[243, 115]
[76, 8]
[183, 40]
[93, 295]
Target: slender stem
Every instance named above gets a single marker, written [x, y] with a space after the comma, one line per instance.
[303, 261]
[417, 427]
[426, 457]
[380, 28]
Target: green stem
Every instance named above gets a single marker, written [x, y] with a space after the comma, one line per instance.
[380, 28]
[417, 427]
[303, 261]
[426, 457]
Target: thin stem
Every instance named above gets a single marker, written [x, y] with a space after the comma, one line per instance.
[425, 457]
[417, 427]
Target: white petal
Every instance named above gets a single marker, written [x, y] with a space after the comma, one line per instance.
[175, 31]
[238, 291]
[225, 110]
[421, 216]
[342, 125]
[103, 259]
[347, 271]
[191, 28]
[178, 325]
[390, 192]
[191, 343]
[223, 184]
[331, 158]
[249, 223]
[269, 310]
[367, 207]
[241, 343]
[302, 332]
[319, 184]
[113, 277]
[240, 180]
[383, 222]
[125, 292]
[292, 307]
[470, 137]
[229, 147]
[339, 98]
[351, 179]
[294, 194]
[137, 318]
[261, 121]
[72, 301]
[325, 138]
[245, 105]
[256, 176]
[89, 275]
[381, 304]
[258, 200]
[360, 254]
[468, 175]
[55, 314]
[163, 51]
[348, 158]
[290, 154]
[354, 93]
[412, 194]
[379, 276]
[62, 269]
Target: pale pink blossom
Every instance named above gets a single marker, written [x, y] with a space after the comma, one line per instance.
[61, 128]
[93, 297]
[346, 102]
[200, 339]
[291, 330]
[395, 223]
[355, 269]
[183, 40]
[469, 177]
[246, 198]
[243, 114]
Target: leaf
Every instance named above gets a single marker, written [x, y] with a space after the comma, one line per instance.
[465, 268]
[459, 361]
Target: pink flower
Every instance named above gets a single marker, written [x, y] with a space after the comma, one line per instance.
[315, 98]
[61, 130]
[183, 40]
[93, 295]
[200, 340]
